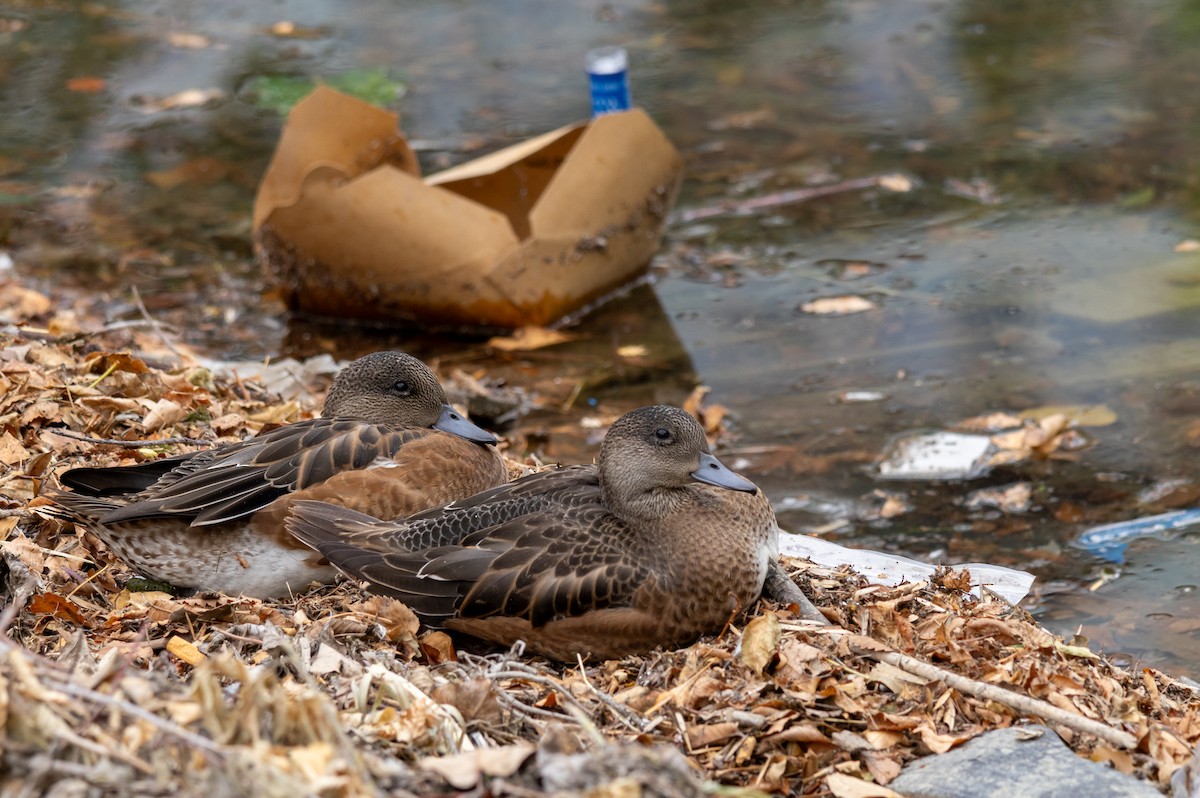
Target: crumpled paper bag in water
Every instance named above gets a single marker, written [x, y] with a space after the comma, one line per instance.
[346, 227]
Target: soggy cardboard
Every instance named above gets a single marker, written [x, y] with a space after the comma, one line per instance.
[346, 227]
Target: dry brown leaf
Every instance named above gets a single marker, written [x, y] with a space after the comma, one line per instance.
[1074, 415]
[277, 414]
[101, 362]
[396, 617]
[843, 786]
[163, 413]
[188, 41]
[760, 642]
[940, 743]
[204, 171]
[475, 699]
[527, 338]
[437, 647]
[86, 85]
[882, 740]
[188, 98]
[57, 606]
[20, 304]
[800, 733]
[704, 735]
[12, 451]
[329, 660]
[463, 771]
[893, 506]
[900, 682]
[695, 400]
[991, 422]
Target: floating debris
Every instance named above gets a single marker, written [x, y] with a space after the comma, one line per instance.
[1109, 540]
[936, 455]
[854, 397]
[838, 305]
[1015, 498]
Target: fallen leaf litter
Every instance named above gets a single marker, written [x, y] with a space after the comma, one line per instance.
[341, 693]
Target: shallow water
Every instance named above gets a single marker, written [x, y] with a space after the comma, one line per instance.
[1079, 117]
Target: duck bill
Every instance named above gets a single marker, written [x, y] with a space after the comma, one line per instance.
[714, 472]
[456, 423]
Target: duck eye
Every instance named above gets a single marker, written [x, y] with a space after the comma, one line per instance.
[402, 387]
[663, 434]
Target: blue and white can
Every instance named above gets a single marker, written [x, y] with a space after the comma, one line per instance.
[608, 72]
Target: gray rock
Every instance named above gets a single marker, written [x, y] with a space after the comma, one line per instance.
[1004, 764]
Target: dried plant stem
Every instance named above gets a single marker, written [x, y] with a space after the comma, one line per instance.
[49, 681]
[626, 716]
[158, 328]
[779, 586]
[873, 649]
[138, 444]
[523, 675]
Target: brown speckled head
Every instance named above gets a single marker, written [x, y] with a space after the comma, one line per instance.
[386, 388]
[650, 454]
[397, 390]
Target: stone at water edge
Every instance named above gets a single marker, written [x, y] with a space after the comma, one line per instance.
[1004, 764]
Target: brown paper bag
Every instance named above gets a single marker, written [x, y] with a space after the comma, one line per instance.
[346, 227]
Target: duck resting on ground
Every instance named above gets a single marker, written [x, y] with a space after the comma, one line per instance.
[656, 544]
[387, 443]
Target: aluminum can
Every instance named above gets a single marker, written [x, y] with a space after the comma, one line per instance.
[608, 73]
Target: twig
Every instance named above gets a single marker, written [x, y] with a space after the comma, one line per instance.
[511, 701]
[627, 716]
[121, 705]
[873, 649]
[158, 328]
[64, 555]
[779, 198]
[522, 674]
[780, 587]
[117, 704]
[131, 324]
[66, 433]
[67, 736]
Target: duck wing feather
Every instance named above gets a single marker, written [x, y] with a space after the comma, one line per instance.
[232, 482]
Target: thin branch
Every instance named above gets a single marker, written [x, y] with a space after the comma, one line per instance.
[66, 735]
[132, 324]
[137, 444]
[158, 328]
[54, 682]
[629, 718]
[873, 649]
[167, 727]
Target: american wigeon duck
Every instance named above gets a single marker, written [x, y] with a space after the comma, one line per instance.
[388, 443]
[655, 545]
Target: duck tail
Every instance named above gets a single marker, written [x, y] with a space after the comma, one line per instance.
[121, 480]
[76, 507]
